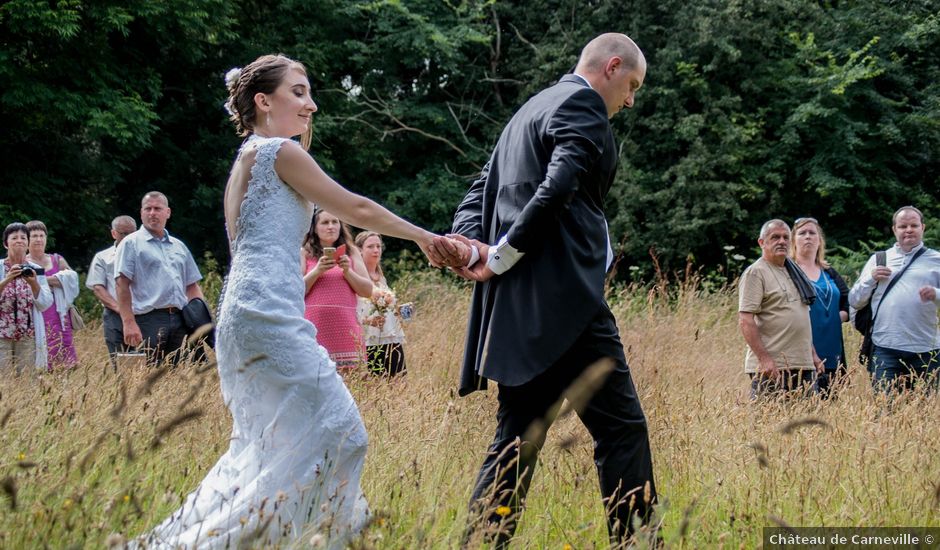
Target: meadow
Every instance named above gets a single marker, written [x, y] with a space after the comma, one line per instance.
[90, 455]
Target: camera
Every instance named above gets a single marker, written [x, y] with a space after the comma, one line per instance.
[30, 271]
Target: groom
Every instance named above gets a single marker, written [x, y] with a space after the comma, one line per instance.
[538, 317]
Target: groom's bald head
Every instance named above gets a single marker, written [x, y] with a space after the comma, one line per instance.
[597, 53]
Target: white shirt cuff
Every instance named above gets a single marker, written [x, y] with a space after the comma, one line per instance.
[474, 256]
[503, 256]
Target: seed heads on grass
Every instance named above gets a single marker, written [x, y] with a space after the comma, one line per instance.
[174, 422]
[791, 426]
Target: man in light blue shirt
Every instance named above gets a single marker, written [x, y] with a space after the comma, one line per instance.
[156, 277]
[101, 281]
[905, 336]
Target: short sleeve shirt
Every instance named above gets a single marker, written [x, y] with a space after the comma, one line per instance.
[782, 318]
[101, 271]
[159, 269]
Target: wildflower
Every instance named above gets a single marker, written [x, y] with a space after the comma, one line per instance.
[503, 511]
[127, 498]
[21, 456]
[737, 257]
[67, 503]
[566, 547]
[728, 247]
[318, 541]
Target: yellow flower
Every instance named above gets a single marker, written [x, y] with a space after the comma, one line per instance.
[503, 511]
[67, 503]
[566, 547]
[21, 456]
[127, 498]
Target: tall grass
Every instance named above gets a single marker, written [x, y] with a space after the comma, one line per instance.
[89, 453]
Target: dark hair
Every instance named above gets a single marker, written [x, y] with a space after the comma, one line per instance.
[15, 227]
[263, 75]
[312, 241]
[36, 225]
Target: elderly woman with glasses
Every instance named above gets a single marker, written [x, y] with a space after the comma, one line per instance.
[24, 295]
[831, 308]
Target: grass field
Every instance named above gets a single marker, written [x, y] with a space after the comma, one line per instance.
[87, 454]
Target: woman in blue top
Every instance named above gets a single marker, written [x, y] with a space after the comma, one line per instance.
[831, 308]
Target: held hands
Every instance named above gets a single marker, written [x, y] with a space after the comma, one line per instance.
[479, 271]
[447, 252]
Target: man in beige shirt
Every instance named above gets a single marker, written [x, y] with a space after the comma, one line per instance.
[775, 321]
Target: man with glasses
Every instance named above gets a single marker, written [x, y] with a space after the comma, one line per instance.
[101, 281]
[905, 336]
[774, 320]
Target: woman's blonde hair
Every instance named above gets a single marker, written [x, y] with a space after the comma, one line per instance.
[361, 239]
[821, 252]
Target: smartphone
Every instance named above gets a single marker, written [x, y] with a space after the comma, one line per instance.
[339, 253]
[329, 250]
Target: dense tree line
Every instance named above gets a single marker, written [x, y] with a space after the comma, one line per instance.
[751, 109]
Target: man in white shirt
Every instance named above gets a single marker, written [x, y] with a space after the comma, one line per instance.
[156, 277]
[905, 335]
[101, 282]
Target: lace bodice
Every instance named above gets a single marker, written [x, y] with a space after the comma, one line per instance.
[297, 437]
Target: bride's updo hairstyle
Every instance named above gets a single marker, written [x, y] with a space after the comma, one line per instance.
[263, 75]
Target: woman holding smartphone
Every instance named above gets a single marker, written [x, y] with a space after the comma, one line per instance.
[334, 274]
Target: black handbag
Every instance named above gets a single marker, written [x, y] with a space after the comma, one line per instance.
[863, 321]
[868, 345]
[195, 316]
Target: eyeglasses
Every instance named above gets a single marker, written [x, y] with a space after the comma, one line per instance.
[805, 220]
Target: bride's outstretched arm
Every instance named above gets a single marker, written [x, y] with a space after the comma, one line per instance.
[298, 169]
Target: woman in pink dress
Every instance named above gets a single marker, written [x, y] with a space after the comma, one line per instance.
[333, 280]
[64, 285]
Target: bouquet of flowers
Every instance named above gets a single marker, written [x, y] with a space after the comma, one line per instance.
[383, 300]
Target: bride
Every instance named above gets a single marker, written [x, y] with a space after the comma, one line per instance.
[298, 442]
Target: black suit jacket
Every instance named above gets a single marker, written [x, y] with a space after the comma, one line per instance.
[544, 188]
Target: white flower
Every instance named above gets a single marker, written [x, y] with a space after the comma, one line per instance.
[231, 77]
[729, 247]
[737, 257]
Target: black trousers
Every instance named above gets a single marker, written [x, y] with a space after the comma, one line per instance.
[386, 360]
[613, 416]
[163, 334]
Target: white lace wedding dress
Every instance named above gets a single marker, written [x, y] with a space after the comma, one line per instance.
[298, 442]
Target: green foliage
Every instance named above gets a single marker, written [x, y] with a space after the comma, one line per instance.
[750, 110]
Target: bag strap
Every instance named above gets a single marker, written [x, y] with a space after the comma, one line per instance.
[893, 281]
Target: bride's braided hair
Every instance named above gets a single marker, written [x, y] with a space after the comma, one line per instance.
[263, 75]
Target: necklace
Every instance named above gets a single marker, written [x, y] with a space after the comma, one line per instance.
[827, 293]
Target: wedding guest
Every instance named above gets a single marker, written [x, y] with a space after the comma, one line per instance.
[63, 282]
[773, 315]
[831, 307]
[101, 281]
[332, 282]
[379, 314]
[905, 334]
[24, 295]
[155, 277]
